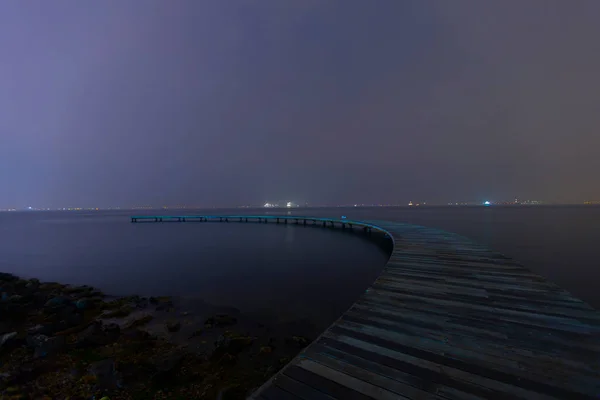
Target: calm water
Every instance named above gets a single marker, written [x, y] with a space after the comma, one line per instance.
[291, 271]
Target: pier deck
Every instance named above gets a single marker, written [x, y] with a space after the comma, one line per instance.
[446, 319]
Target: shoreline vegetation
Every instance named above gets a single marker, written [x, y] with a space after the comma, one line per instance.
[61, 341]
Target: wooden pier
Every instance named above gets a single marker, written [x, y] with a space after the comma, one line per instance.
[446, 319]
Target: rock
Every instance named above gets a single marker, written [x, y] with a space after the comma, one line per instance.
[142, 302]
[77, 290]
[297, 341]
[7, 339]
[6, 277]
[137, 335]
[168, 361]
[57, 301]
[105, 374]
[112, 331]
[44, 346]
[51, 286]
[84, 303]
[197, 332]
[165, 366]
[21, 283]
[16, 298]
[99, 334]
[33, 282]
[173, 326]
[35, 330]
[222, 341]
[221, 320]
[233, 345]
[266, 350]
[120, 313]
[139, 321]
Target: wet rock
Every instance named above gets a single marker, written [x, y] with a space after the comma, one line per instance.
[44, 346]
[139, 321]
[119, 313]
[232, 344]
[112, 331]
[35, 330]
[163, 303]
[105, 374]
[7, 340]
[99, 334]
[165, 366]
[142, 302]
[84, 303]
[297, 341]
[221, 320]
[16, 298]
[173, 326]
[137, 335]
[196, 333]
[57, 301]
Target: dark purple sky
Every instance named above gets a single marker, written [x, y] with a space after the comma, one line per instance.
[241, 102]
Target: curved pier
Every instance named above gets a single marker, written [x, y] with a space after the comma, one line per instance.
[446, 319]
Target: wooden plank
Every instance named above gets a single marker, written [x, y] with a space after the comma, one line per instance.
[433, 372]
[567, 324]
[465, 361]
[357, 385]
[401, 390]
[412, 386]
[299, 389]
[276, 393]
[561, 344]
[496, 352]
[322, 384]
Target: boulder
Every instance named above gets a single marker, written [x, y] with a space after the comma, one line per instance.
[44, 346]
[297, 341]
[57, 301]
[105, 374]
[84, 303]
[221, 320]
[173, 326]
[98, 334]
[6, 277]
[7, 340]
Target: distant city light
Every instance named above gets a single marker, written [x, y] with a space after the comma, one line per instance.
[289, 204]
[486, 203]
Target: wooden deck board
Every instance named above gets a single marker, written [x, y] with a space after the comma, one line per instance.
[453, 320]
[446, 319]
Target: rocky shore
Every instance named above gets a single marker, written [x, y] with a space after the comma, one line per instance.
[74, 342]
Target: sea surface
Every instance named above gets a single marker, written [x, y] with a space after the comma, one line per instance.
[286, 271]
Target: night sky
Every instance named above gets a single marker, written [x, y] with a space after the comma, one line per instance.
[218, 103]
